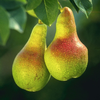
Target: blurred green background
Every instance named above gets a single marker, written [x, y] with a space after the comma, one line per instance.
[86, 87]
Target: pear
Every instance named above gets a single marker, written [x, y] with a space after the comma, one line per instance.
[66, 57]
[29, 70]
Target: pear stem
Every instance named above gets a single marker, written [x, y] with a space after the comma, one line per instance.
[61, 10]
[40, 22]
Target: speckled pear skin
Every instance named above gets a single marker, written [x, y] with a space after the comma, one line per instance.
[29, 69]
[66, 57]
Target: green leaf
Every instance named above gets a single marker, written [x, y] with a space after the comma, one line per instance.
[59, 5]
[32, 4]
[47, 11]
[23, 1]
[85, 6]
[12, 4]
[18, 19]
[31, 12]
[75, 6]
[4, 26]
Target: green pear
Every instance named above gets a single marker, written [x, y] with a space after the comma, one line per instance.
[29, 70]
[66, 57]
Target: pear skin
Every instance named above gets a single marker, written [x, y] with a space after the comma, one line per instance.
[66, 57]
[29, 70]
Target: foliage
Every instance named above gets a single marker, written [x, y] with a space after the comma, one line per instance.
[13, 13]
[83, 88]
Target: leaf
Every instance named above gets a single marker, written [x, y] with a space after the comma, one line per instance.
[75, 6]
[32, 4]
[23, 1]
[31, 12]
[59, 5]
[47, 11]
[4, 26]
[12, 4]
[85, 6]
[18, 19]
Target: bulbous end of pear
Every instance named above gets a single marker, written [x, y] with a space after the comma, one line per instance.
[30, 75]
[66, 60]
[29, 70]
[66, 57]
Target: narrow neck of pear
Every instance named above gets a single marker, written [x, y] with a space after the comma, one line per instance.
[65, 25]
[38, 37]
[37, 40]
[64, 30]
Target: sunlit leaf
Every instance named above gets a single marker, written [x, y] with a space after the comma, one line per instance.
[31, 12]
[18, 19]
[85, 6]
